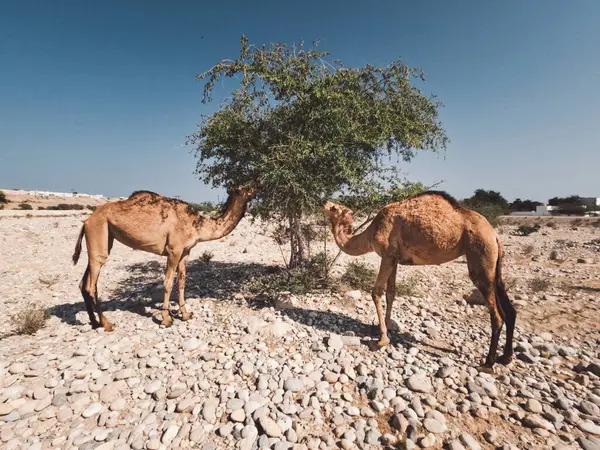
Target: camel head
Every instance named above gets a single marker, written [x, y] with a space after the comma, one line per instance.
[338, 214]
[246, 193]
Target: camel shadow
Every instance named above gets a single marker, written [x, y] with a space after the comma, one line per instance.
[141, 291]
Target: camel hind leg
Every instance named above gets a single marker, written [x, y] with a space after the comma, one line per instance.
[390, 296]
[387, 266]
[99, 243]
[481, 262]
[181, 275]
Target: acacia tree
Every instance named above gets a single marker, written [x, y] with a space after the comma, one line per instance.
[306, 126]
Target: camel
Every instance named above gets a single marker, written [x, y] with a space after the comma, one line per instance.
[155, 224]
[431, 228]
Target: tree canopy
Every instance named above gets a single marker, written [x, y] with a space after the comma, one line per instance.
[524, 205]
[305, 126]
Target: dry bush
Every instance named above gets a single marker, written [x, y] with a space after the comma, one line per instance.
[528, 249]
[49, 280]
[30, 319]
[408, 287]
[555, 255]
[207, 256]
[538, 285]
[551, 224]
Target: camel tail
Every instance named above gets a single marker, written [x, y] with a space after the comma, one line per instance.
[78, 246]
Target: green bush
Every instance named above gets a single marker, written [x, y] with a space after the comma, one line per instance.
[3, 198]
[25, 206]
[66, 207]
[206, 207]
[302, 280]
[359, 275]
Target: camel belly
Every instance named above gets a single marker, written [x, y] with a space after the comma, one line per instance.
[139, 241]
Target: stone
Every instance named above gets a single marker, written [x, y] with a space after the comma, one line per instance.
[533, 406]
[5, 408]
[192, 344]
[170, 432]
[455, 445]
[17, 368]
[294, 384]
[354, 295]
[92, 410]
[419, 383]
[238, 415]
[589, 427]
[335, 342]
[536, 421]
[428, 441]
[434, 426]
[469, 442]
[269, 427]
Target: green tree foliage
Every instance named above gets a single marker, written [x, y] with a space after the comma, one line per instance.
[572, 205]
[524, 205]
[368, 197]
[490, 204]
[206, 207]
[571, 200]
[306, 126]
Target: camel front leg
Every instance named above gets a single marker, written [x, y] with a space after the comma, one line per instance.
[390, 296]
[181, 275]
[172, 261]
[385, 270]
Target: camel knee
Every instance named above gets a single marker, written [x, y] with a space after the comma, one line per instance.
[377, 292]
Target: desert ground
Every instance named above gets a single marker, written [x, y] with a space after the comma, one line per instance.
[263, 370]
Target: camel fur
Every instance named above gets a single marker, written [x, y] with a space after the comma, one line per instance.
[429, 229]
[155, 224]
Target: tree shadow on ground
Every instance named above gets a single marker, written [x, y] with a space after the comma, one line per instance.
[141, 291]
[142, 288]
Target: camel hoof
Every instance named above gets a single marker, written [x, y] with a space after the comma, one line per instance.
[186, 316]
[505, 359]
[383, 342]
[109, 326]
[167, 322]
[486, 369]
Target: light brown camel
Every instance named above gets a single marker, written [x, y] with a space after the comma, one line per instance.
[429, 229]
[155, 224]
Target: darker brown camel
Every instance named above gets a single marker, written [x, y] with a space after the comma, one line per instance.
[427, 229]
[155, 224]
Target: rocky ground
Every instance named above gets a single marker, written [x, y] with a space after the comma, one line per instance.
[295, 371]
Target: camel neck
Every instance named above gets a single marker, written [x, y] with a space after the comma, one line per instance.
[354, 245]
[217, 227]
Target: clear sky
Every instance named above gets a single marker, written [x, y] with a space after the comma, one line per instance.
[99, 96]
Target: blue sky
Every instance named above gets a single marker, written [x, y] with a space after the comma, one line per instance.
[99, 96]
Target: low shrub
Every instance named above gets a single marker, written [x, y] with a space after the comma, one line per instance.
[538, 285]
[25, 206]
[526, 230]
[3, 198]
[408, 287]
[207, 256]
[30, 319]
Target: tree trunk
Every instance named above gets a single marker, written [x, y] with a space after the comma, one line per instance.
[297, 245]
